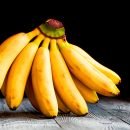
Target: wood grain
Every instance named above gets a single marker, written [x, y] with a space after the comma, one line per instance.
[25, 117]
[108, 114]
[96, 119]
[117, 107]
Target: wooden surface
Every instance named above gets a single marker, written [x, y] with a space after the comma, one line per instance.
[108, 114]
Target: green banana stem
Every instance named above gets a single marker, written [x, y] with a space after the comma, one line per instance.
[53, 29]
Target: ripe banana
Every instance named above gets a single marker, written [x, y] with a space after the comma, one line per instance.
[3, 88]
[42, 81]
[88, 94]
[19, 72]
[87, 73]
[62, 107]
[108, 72]
[30, 94]
[64, 84]
[10, 48]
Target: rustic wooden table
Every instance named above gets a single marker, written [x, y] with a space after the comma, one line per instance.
[108, 114]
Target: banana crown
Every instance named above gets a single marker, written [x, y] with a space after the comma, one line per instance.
[53, 29]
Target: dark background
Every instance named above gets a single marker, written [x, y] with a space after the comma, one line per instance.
[100, 31]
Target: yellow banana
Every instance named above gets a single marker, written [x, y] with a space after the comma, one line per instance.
[10, 48]
[88, 94]
[62, 107]
[42, 81]
[19, 72]
[64, 84]
[87, 73]
[30, 94]
[3, 88]
[108, 72]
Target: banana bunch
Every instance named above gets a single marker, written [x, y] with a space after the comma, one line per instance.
[53, 73]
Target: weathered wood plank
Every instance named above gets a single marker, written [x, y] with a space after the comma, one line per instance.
[108, 120]
[97, 119]
[25, 117]
[117, 107]
[27, 127]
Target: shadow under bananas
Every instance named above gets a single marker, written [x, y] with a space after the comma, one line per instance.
[25, 112]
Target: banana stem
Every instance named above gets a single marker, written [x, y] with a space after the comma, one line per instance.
[61, 43]
[46, 42]
[53, 44]
[33, 33]
[38, 40]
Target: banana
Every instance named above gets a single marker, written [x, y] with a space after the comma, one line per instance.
[42, 81]
[3, 88]
[30, 94]
[87, 73]
[62, 107]
[88, 94]
[10, 48]
[19, 72]
[108, 72]
[64, 84]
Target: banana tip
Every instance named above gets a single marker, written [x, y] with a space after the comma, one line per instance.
[51, 117]
[82, 114]
[96, 101]
[118, 94]
[13, 109]
[118, 82]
